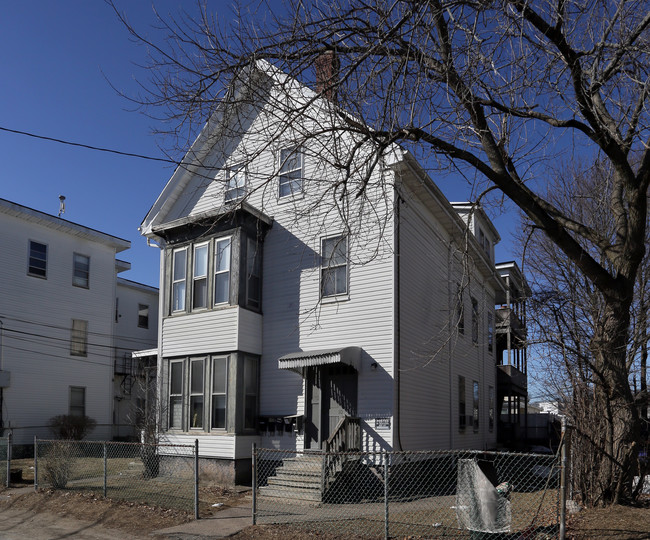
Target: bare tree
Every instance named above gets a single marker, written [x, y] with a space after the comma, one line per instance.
[565, 311]
[492, 90]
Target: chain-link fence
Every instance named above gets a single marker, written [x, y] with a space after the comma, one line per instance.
[433, 494]
[162, 475]
[5, 461]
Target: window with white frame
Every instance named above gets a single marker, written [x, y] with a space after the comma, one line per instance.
[143, 316]
[80, 270]
[176, 383]
[196, 392]
[200, 277]
[37, 265]
[179, 274]
[475, 410]
[475, 320]
[235, 183]
[219, 392]
[334, 268]
[291, 172]
[462, 418]
[222, 270]
[79, 338]
[77, 401]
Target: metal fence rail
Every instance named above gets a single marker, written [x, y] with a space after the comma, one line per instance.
[162, 475]
[432, 494]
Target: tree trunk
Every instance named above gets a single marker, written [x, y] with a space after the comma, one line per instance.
[616, 433]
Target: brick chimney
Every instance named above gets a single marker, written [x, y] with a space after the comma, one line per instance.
[327, 71]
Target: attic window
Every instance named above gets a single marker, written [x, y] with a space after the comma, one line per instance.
[291, 172]
[235, 183]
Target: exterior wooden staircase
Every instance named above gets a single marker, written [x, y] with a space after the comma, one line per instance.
[308, 477]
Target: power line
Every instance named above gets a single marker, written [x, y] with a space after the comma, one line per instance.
[88, 146]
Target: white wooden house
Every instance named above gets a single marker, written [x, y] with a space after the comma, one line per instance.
[58, 335]
[283, 312]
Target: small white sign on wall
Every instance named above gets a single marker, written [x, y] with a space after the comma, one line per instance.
[382, 423]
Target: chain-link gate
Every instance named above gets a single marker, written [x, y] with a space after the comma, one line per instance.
[429, 494]
[162, 475]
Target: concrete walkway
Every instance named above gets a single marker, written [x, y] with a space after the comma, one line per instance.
[221, 525]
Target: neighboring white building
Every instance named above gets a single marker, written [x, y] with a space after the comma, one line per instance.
[58, 335]
[280, 317]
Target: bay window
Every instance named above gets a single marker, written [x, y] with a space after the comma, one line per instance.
[222, 271]
[200, 277]
[219, 395]
[179, 273]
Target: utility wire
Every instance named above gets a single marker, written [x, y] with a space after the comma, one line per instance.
[89, 147]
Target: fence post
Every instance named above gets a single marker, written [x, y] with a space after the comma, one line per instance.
[105, 467]
[564, 477]
[386, 510]
[254, 483]
[35, 463]
[196, 479]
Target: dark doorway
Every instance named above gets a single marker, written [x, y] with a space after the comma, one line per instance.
[331, 396]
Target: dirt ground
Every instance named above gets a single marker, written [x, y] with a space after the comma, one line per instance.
[139, 521]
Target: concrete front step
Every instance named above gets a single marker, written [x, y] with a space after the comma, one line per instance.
[310, 495]
[297, 478]
[306, 483]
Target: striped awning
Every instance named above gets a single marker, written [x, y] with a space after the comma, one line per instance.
[343, 355]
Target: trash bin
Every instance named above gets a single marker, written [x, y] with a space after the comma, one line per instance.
[481, 508]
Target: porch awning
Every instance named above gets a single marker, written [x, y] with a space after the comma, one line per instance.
[343, 355]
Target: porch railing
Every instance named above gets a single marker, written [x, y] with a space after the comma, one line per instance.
[345, 438]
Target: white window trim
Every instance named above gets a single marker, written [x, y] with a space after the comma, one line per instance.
[283, 173]
[337, 297]
[173, 308]
[170, 395]
[217, 271]
[85, 285]
[212, 393]
[29, 258]
[234, 171]
[79, 338]
[205, 276]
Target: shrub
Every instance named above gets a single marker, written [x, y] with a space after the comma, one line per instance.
[68, 426]
[57, 464]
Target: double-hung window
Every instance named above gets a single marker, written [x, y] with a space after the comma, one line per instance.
[80, 270]
[79, 338]
[196, 392]
[143, 316]
[491, 408]
[334, 269]
[200, 277]
[490, 331]
[291, 172]
[179, 273]
[37, 265]
[176, 379]
[222, 270]
[219, 391]
[235, 183]
[77, 401]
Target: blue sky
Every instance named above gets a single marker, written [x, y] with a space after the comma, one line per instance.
[57, 57]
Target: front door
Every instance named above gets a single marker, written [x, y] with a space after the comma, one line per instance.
[331, 396]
